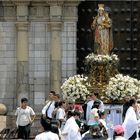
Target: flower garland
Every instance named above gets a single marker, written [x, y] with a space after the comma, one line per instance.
[102, 59]
[75, 87]
[121, 86]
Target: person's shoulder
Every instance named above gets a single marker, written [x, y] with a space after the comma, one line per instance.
[52, 134]
[30, 108]
[18, 108]
[99, 100]
[59, 110]
[39, 136]
[69, 120]
[90, 102]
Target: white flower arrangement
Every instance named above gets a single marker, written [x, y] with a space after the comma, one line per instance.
[98, 59]
[121, 86]
[75, 87]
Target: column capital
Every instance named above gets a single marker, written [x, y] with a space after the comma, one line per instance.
[22, 26]
[55, 26]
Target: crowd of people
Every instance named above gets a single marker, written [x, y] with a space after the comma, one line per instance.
[69, 121]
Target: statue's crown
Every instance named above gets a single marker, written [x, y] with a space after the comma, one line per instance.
[101, 6]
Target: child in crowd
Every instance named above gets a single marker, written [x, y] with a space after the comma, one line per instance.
[118, 133]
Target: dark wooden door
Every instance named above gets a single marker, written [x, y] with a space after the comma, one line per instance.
[125, 16]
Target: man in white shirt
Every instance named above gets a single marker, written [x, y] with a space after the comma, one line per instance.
[94, 97]
[50, 106]
[24, 120]
[71, 130]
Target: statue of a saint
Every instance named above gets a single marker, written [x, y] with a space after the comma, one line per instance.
[102, 24]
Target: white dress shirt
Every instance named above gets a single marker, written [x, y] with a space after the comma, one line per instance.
[51, 105]
[71, 130]
[47, 136]
[130, 123]
[60, 114]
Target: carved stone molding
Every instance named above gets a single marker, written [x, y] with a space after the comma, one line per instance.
[70, 10]
[33, 11]
[55, 13]
[22, 26]
[19, 3]
[9, 11]
[70, 13]
[72, 2]
[54, 26]
[55, 2]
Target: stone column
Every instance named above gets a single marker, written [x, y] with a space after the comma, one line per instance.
[55, 25]
[22, 52]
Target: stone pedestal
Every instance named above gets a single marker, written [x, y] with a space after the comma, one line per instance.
[3, 122]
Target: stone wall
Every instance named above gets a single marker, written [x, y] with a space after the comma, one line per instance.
[69, 50]
[7, 64]
[41, 36]
[39, 62]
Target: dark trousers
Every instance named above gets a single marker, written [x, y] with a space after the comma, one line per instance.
[24, 131]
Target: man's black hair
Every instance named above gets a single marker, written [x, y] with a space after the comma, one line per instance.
[70, 113]
[24, 100]
[96, 104]
[132, 101]
[46, 124]
[61, 103]
[76, 113]
[94, 93]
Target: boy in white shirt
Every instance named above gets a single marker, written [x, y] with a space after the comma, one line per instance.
[24, 120]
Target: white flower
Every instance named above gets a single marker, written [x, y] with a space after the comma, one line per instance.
[75, 87]
[121, 86]
[95, 59]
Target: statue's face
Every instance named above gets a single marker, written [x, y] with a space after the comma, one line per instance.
[100, 11]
